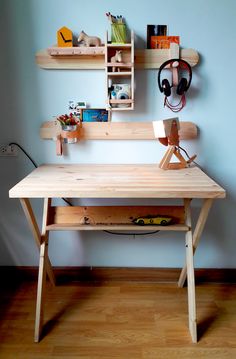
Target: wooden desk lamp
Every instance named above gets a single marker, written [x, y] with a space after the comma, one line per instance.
[167, 133]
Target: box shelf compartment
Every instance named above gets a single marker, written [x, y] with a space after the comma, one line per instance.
[121, 73]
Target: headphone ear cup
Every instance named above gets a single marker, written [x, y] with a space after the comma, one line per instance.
[182, 86]
[166, 87]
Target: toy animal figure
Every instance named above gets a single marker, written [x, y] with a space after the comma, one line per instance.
[89, 40]
[116, 58]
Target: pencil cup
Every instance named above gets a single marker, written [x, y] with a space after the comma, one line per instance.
[67, 133]
[118, 33]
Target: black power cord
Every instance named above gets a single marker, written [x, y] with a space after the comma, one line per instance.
[130, 234]
[22, 149]
[186, 153]
[34, 163]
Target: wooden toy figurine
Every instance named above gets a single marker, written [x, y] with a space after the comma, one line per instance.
[64, 37]
[89, 40]
[116, 58]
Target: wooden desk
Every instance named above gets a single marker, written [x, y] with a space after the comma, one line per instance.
[115, 181]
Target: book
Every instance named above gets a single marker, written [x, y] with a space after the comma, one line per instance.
[163, 42]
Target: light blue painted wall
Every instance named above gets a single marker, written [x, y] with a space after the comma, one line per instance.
[30, 95]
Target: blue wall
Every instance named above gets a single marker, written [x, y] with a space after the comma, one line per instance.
[30, 96]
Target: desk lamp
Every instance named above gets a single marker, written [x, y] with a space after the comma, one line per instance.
[167, 133]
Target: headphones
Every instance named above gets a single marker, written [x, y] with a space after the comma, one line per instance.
[181, 87]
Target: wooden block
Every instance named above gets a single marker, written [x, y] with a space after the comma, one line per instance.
[64, 37]
[174, 50]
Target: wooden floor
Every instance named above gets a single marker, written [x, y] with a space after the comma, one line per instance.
[118, 320]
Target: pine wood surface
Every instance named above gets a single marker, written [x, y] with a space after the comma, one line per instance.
[144, 59]
[79, 50]
[116, 181]
[133, 320]
[117, 130]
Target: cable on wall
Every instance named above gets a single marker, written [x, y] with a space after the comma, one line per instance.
[34, 163]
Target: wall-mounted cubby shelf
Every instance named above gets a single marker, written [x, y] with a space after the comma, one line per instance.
[119, 75]
[143, 59]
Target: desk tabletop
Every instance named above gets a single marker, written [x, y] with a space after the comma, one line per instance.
[116, 181]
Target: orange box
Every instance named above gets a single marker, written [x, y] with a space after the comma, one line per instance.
[163, 42]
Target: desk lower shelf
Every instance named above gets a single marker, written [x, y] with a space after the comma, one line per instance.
[116, 227]
[113, 218]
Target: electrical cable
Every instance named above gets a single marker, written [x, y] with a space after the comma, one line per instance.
[34, 163]
[22, 149]
[130, 234]
[178, 107]
[186, 153]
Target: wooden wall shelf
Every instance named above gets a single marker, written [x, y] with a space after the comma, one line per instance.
[116, 131]
[143, 58]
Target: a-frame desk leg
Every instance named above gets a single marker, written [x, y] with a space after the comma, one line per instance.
[197, 235]
[190, 274]
[36, 233]
[42, 272]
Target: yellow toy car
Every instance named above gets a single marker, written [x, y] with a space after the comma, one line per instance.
[157, 220]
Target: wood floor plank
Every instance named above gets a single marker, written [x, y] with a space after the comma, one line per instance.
[133, 320]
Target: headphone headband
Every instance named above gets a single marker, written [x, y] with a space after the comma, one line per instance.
[171, 61]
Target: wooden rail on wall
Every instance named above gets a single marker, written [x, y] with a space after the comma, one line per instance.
[143, 59]
[116, 130]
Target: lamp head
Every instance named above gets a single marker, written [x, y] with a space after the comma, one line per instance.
[167, 131]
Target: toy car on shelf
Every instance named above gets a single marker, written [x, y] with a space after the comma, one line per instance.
[153, 220]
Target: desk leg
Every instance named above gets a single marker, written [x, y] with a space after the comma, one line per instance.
[190, 275]
[36, 233]
[197, 235]
[42, 271]
[41, 288]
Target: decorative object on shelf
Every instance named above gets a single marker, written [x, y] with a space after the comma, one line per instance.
[118, 28]
[118, 33]
[76, 106]
[89, 40]
[121, 92]
[95, 115]
[153, 220]
[155, 30]
[182, 85]
[70, 126]
[68, 120]
[163, 42]
[64, 37]
[167, 131]
[116, 58]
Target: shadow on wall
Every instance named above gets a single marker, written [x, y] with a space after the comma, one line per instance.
[19, 105]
